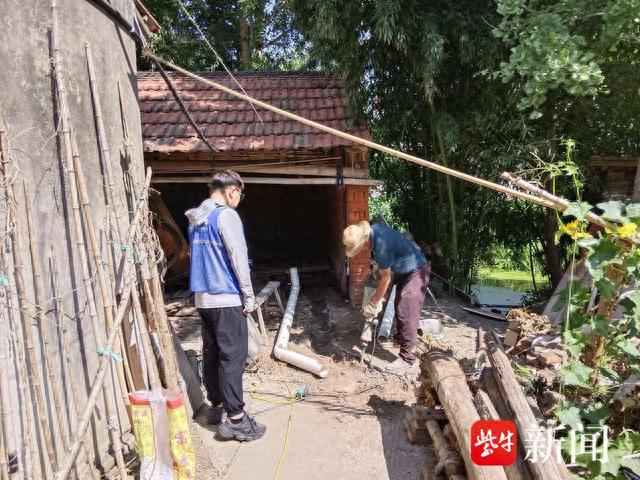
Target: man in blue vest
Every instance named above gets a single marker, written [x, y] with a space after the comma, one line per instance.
[401, 262]
[221, 281]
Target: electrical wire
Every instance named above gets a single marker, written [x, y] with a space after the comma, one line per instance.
[217, 55]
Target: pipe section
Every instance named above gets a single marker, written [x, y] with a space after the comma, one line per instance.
[280, 350]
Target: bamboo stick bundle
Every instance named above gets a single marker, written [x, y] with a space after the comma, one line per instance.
[70, 388]
[4, 420]
[68, 147]
[38, 289]
[123, 307]
[113, 215]
[96, 388]
[32, 368]
[107, 305]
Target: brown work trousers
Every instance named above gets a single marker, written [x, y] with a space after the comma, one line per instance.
[411, 289]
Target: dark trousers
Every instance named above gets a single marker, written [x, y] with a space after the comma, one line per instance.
[224, 352]
[411, 289]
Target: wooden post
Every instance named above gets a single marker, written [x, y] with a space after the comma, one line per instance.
[448, 459]
[487, 410]
[523, 416]
[453, 392]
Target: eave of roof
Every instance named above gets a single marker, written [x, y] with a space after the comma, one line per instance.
[231, 125]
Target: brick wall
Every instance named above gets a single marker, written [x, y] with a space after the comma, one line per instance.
[357, 207]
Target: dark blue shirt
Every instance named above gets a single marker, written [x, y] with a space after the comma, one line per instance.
[393, 250]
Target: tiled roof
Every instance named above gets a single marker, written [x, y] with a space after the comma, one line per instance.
[231, 125]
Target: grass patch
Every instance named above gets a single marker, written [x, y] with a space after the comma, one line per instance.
[506, 275]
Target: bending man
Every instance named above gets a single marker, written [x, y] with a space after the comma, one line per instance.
[400, 261]
[221, 281]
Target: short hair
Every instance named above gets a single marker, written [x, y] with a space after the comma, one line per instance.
[225, 178]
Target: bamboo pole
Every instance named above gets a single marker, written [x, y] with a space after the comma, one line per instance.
[561, 203]
[68, 387]
[4, 468]
[38, 290]
[72, 160]
[4, 441]
[64, 134]
[100, 376]
[104, 362]
[24, 397]
[32, 367]
[114, 218]
[355, 139]
[107, 305]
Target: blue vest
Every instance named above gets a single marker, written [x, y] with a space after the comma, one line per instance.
[211, 270]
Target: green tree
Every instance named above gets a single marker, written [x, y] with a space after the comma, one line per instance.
[247, 34]
[468, 84]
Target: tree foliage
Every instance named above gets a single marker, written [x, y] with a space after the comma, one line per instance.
[263, 29]
[482, 87]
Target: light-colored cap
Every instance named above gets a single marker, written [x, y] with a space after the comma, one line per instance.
[355, 237]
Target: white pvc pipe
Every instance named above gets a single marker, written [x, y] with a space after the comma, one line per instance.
[280, 350]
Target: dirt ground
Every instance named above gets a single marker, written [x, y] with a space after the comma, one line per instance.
[346, 426]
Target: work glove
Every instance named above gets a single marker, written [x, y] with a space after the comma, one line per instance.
[250, 305]
[372, 310]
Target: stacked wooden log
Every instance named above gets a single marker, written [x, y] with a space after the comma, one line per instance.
[449, 403]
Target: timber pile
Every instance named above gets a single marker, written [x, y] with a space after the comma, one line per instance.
[450, 401]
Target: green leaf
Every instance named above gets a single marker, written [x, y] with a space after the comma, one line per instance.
[578, 210]
[611, 210]
[570, 417]
[606, 287]
[600, 325]
[603, 253]
[576, 373]
[612, 466]
[597, 413]
[633, 210]
[629, 347]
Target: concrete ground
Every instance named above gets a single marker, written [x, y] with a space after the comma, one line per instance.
[348, 426]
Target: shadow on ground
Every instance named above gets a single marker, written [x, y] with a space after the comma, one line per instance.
[401, 457]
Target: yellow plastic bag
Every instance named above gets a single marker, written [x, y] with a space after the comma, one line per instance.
[184, 458]
[142, 418]
[150, 427]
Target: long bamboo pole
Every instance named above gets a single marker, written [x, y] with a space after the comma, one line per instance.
[561, 203]
[69, 387]
[29, 462]
[32, 367]
[96, 388]
[104, 362]
[71, 161]
[64, 133]
[4, 441]
[355, 139]
[107, 306]
[4, 468]
[38, 291]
